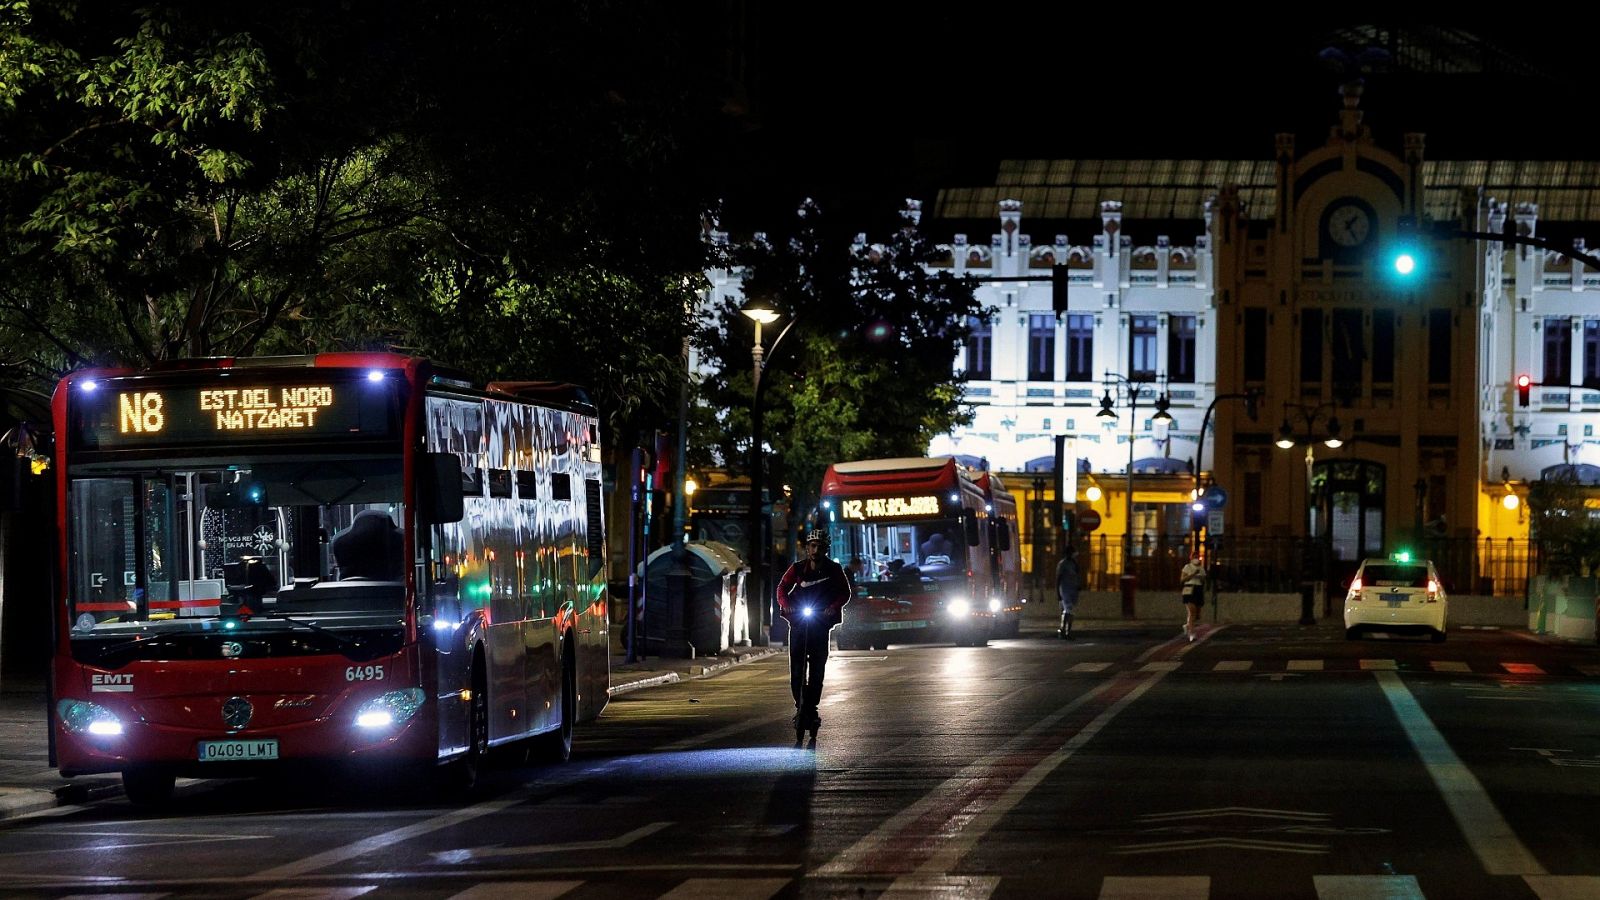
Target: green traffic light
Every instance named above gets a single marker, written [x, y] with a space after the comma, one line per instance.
[1405, 263]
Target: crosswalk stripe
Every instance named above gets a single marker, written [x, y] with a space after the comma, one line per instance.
[316, 892]
[1232, 665]
[1367, 887]
[1517, 668]
[726, 889]
[517, 890]
[1305, 665]
[1378, 665]
[1090, 667]
[1563, 887]
[1445, 665]
[1162, 666]
[947, 887]
[1155, 887]
[114, 896]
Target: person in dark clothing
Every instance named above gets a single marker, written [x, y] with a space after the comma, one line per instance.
[1068, 580]
[811, 598]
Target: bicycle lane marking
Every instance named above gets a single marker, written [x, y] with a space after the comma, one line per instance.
[1487, 832]
[932, 834]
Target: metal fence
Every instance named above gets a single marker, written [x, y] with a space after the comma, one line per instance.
[1487, 566]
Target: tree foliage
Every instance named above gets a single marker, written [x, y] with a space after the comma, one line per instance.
[514, 188]
[866, 370]
[1565, 525]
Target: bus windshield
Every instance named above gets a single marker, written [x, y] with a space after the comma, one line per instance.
[922, 551]
[172, 548]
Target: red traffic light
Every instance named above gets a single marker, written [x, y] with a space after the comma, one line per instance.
[1524, 383]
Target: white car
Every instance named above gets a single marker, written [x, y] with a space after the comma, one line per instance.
[1401, 595]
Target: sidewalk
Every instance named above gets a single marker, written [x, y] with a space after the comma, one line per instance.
[28, 784]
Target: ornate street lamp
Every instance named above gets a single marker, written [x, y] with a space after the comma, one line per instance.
[761, 313]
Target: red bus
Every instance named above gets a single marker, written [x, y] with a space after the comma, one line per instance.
[342, 558]
[932, 550]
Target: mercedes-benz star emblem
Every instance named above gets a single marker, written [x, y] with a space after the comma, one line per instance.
[232, 649]
[236, 712]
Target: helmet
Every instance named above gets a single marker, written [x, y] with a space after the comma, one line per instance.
[819, 535]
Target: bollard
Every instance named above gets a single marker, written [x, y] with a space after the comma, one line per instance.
[1129, 585]
[1308, 594]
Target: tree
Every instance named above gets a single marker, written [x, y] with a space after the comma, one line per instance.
[1565, 526]
[868, 369]
[517, 188]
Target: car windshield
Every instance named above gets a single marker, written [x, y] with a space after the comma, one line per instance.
[1390, 575]
[883, 553]
[171, 549]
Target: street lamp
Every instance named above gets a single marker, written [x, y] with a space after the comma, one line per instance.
[761, 313]
[1133, 390]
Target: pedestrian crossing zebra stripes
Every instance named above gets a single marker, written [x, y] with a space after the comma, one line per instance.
[957, 887]
[1443, 666]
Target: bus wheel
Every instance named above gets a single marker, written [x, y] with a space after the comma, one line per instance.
[148, 787]
[556, 746]
[463, 774]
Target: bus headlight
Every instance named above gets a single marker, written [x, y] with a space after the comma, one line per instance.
[393, 708]
[960, 606]
[83, 717]
[994, 604]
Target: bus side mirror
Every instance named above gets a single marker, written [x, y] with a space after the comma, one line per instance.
[970, 520]
[1002, 531]
[440, 489]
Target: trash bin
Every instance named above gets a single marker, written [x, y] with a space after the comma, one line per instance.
[695, 603]
[1129, 584]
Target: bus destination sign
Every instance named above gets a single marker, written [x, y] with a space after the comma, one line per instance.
[137, 416]
[869, 509]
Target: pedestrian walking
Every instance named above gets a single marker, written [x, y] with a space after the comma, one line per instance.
[1194, 593]
[1068, 581]
[811, 598]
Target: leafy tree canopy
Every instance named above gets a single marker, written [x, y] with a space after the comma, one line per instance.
[514, 188]
[866, 369]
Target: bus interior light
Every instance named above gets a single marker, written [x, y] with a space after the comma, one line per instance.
[88, 384]
[375, 375]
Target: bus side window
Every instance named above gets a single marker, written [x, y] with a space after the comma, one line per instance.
[969, 519]
[440, 487]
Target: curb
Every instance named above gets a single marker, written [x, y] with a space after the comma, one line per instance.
[615, 689]
[698, 670]
[21, 802]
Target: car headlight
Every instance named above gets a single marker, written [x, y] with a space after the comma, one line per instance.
[392, 708]
[83, 717]
[960, 606]
[994, 604]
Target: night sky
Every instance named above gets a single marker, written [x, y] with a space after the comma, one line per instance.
[863, 111]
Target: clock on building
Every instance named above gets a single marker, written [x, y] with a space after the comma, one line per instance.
[1348, 223]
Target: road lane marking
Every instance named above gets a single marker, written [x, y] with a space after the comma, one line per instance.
[1445, 665]
[1488, 834]
[316, 892]
[1244, 812]
[943, 887]
[1304, 665]
[1228, 843]
[1521, 668]
[115, 896]
[955, 814]
[1367, 887]
[726, 889]
[1564, 887]
[1591, 671]
[1155, 887]
[518, 890]
[1232, 665]
[1090, 667]
[470, 854]
[1162, 666]
[1378, 665]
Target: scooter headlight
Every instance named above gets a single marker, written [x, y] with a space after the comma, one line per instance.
[392, 708]
[805, 612]
[960, 606]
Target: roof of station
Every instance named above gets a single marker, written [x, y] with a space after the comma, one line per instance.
[1566, 191]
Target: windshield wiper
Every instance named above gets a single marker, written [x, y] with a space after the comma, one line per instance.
[339, 639]
[156, 640]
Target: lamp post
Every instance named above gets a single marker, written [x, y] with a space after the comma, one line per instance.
[761, 313]
[1288, 439]
[1133, 390]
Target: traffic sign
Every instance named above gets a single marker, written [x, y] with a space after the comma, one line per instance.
[1215, 497]
[1088, 520]
[1214, 523]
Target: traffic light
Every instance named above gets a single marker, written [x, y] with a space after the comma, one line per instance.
[1404, 255]
[1524, 387]
[1058, 289]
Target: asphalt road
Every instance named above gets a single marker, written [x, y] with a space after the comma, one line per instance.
[1258, 762]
